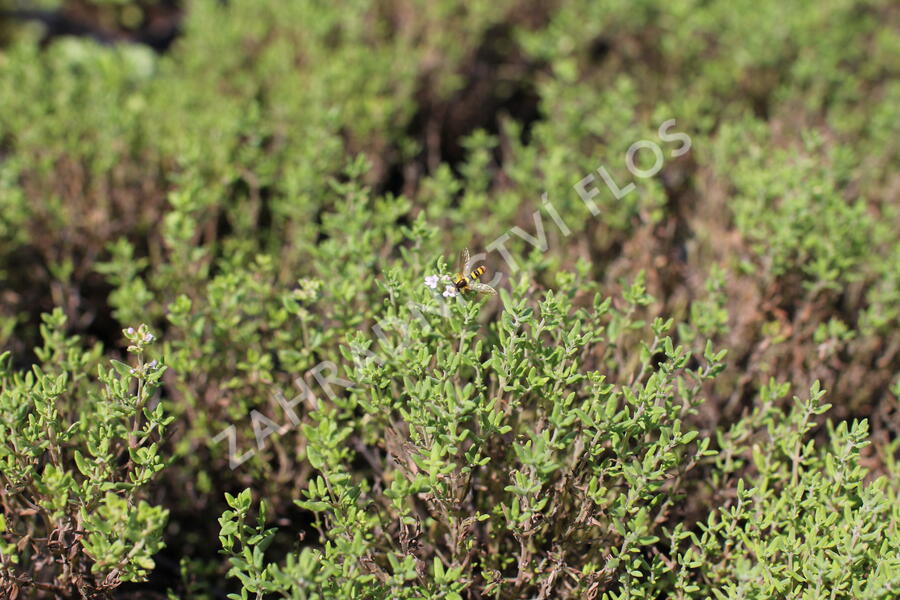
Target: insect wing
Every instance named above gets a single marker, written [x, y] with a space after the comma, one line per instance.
[463, 266]
[464, 263]
[482, 288]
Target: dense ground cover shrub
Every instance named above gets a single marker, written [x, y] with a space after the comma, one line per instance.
[78, 453]
[268, 193]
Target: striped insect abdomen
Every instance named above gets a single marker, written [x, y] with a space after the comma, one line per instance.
[477, 273]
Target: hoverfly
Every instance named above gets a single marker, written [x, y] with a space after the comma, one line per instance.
[467, 278]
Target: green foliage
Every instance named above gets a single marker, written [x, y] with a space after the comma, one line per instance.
[808, 523]
[78, 453]
[269, 194]
[498, 447]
